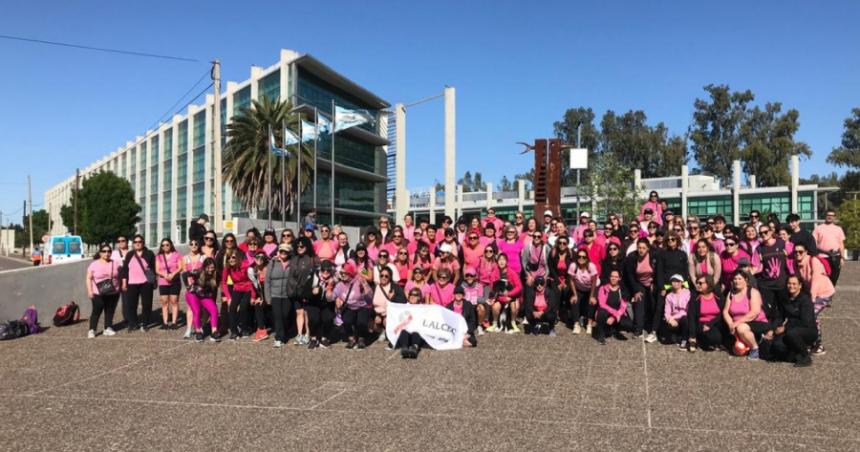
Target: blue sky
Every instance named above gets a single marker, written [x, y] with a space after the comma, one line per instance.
[516, 65]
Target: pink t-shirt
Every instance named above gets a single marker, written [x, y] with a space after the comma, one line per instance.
[325, 249]
[512, 251]
[582, 278]
[442, 296]
[425, 288]
[101, 270]
[828, 237]
[172, 265]
[709, 309]
[540, 301]
[135, 270]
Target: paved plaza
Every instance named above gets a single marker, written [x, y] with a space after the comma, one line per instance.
[156, 391]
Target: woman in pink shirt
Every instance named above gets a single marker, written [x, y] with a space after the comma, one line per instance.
[442, 290]
[705, 261]
[168, 267]
[611, 307]
[137, 287]
[422, 258]
[418, 281]
[326, 247]
[676, 312]
[743, 313]
[512, 247]
[447, 261]
[372, 244]
[505, 291]
[189, 268]
[270, 245]
[729, 261]
[584, 279]
[653, 203]
[408, 227]
[472, 250]
[238, 295]
[705, 315]
[814, 279]
[401, 263]
[102, 269]
[488, 273]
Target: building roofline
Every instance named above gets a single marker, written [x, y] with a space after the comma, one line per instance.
[328, 74]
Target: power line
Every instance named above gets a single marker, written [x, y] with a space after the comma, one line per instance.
[99, 49]
[172, 107]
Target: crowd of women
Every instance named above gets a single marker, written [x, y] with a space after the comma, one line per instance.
[756, 288]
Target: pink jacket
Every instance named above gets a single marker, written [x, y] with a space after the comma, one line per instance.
[814, 277]
[655, 208]
[603, 296]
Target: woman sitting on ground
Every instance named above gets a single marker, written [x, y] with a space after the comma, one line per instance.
[410, 343]
[462, 306]
[796, 331]
[385, 292]
[611, 308]
[705, 314]
[676, 313]
[540, 307]
[353, 297]
[505, 292]
[744, 315]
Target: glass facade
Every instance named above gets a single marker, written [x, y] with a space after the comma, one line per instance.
[707, 207]
[123, 170]
[319, 93]
[350, 193]
[352, 153]
[270, 86]
[241, 99]
[182, 170]
[199, 162]
[143, 180]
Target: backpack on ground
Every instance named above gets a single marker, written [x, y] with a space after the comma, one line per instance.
[13, 330]
[67, 314]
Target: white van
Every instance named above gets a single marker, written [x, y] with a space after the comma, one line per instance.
[63, 248]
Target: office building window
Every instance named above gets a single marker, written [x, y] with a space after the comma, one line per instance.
[352, 153]
[167, 153]
[270, 86]
[708, 207]
[319, 93]
[350, 193]
[241, 99]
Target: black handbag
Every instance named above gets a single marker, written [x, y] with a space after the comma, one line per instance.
[106, 286]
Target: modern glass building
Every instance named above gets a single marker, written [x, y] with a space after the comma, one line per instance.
[171, 169]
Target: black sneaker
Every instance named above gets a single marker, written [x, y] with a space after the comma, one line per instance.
[164, 326]
[405, 353]
[350, 345]
[132, 329]
[361, 345]
[234, 336]
[601, 341]
[215, 337]
[198, 337]
[803, 361]
[619, 336]
[413, 351]
[313, 344]
[324, 343]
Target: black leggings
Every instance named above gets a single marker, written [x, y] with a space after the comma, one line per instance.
[356, 322]
[260, 315]
[602, 327]
[138, 293]
[320, 319]
[582, 307]
[771, 299]
[407, 339]
[280, 311]
[565, 310]
[548, 317]
[639, 312]
[835, 268]
[793, 343]
[717, 333]
[240, 302]
[106, 303]
[680, 332]
[654, 313]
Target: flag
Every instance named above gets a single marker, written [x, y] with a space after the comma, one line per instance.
[290, 138]
[323, 124]
[346, 118]
[280, 152]
[441, 328]
[309, 131]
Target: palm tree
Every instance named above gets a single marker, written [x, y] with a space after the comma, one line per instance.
[247, 156]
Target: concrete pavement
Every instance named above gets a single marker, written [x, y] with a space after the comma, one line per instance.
[155, 391]
[11, 263]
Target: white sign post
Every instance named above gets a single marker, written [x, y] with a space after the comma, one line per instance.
[579, 162]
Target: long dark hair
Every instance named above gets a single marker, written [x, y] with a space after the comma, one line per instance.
[229, 235]
[205, 280]
[172, 248]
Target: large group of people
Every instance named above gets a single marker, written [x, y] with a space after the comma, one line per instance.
[754, 289]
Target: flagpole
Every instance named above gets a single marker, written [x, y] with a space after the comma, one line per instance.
[284, 178]
[316, 138]
[333, 132]
[269, 174]
[299, 173]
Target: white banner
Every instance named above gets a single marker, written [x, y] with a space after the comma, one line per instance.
[441, 328]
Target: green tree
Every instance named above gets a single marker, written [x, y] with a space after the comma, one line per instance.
[67, 213]
[849, 219]
[505, 184]
[107, 209]
[478, 183]
[716, 130]
[566, 130]
[466, 182]
[638, 145]
[247, 157]
[40, 227]
[768, 138]
[848, 154]
[612, 182]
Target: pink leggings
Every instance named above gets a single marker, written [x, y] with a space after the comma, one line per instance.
[195, 303]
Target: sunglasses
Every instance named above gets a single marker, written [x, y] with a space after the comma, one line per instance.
[282, 251]
[287, 236]
[563, 242]
[384, 276]
[104, 251]
[800, 252]
[229, 241]
[731, 244]
[232, 259]
[384, 256]
[122, 240]
[474, 237]
[209, 239]
[165, 245]
[700, 283]
[613, 248]
[582, 257]
[488, 251]
[402, 253]
[137, 241]
[397, 235]
[469, 275]
[297, 246]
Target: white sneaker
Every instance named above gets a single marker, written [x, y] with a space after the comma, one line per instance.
[278, 344]
[588, 330]
[480, 331]
[109, 332]
[576, 328]
[382, 336]
[91, 334]
[188, 334]
[651, 338]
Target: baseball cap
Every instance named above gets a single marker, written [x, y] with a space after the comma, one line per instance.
[459, 290]
[285, 247]
[445, 248]
[585, 215]
[470, 271]
[349, 269]
[547, 213]
[676, 277]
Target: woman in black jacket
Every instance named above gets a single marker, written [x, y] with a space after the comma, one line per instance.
[638, 276]
[463, 307]
[614, 261]
[671, 261]
[796, 330]
[558, 261]
[138, 282]
[540, 305]
[300, 282]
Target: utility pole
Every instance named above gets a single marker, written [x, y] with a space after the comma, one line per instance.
[216, 146]
[75, 198]
[23, 222]
[30, 198]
